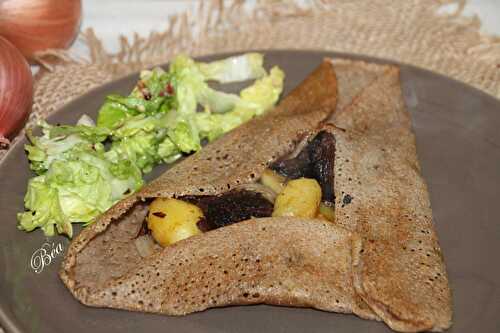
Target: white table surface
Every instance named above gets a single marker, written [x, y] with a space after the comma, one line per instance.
[109, 18]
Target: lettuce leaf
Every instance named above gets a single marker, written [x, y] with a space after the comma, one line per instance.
[192, 89]
[153, 94]
[234, 69]
[76, 190]
[185, 136]
[51, 146]
[262, 96]
[112, 114]
[265, 92]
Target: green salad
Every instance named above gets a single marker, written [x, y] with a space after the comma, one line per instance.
[83, 169]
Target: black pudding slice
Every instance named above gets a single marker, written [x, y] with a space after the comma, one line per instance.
[322, 154]
[314, 161]
[230, 207]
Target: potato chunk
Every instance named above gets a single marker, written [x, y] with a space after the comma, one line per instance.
[273, 180]
[171, 220]
[300, 198]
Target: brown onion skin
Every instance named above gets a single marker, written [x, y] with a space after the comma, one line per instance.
[16, 90]
[38, 25]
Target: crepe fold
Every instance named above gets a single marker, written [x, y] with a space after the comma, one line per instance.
[381, 196]
[380, 260]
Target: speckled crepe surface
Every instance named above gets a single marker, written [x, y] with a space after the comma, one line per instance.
[381, 196]
[257, 261]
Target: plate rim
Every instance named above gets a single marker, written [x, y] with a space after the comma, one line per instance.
[10, 326]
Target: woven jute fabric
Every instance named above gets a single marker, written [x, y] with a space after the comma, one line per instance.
[415, 32]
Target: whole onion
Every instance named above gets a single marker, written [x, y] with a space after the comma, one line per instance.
[16, 90]
[38, 25]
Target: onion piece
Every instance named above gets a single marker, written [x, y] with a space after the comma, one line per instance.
[273, 180]
[299, 147]
[16, 90]
[38, 25]
[145, 245]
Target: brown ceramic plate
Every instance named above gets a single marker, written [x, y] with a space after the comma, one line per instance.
[458, 139]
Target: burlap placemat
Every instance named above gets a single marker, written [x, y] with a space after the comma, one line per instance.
[409, 31]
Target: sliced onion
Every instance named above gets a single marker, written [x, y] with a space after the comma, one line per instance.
[38, 25]
[16, 90]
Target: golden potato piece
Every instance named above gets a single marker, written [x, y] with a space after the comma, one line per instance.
[172, 220]
[300, 197]
[273, 180]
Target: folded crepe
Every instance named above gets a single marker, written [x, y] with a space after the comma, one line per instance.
[380, 259]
